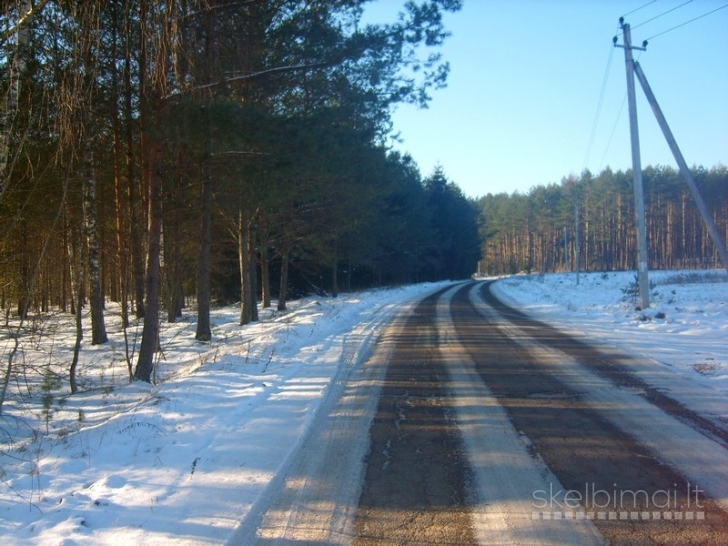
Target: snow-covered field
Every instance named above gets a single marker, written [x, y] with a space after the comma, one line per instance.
[182, 462]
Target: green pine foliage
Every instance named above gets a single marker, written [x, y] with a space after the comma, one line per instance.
[210, 130]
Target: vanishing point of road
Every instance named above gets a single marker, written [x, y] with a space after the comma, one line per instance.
[472, 424]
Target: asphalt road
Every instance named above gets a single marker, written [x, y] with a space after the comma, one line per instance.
[473, 424]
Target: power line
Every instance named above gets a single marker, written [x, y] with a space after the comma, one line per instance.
[688, 22]
[614, 130]
[664, 13]
[639, 8]
[599, 109]
[616, 123]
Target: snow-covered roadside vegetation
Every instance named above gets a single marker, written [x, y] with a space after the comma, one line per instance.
[182, 461]
[685, 326]
[681, 336]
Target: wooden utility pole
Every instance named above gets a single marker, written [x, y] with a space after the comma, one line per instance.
[709, 223]
[639, 200]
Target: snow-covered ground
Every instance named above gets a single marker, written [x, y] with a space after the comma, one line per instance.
[183, 462]
[685, 328]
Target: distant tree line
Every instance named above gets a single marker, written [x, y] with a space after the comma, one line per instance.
[157, 152]
[537, 231]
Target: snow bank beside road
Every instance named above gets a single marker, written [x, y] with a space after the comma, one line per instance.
[180, 463]
[684, 331]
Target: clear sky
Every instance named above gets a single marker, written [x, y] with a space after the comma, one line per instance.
[525, 84]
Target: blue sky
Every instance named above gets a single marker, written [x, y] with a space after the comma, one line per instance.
[525, 82]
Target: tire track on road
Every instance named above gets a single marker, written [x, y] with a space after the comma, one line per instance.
[548, 398]
[614, 367]
[417, 476]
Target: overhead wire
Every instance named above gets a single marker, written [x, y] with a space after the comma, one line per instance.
[624, 100]
[663, 13]
[597, 115]
[688, 22]
[614, 130]
[616, 123]
[639, 8]
[600, 102]
[614, 127]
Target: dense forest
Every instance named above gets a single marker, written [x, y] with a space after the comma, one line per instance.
[594, 217]
[172, 153]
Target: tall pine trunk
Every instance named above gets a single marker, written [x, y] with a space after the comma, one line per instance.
[283, 291]
[119, 200]
[96, 297]
[247, 297]
[76, 260]
[172, 237]
[264, 276]
[10, 108]
[137, 184]
[204, 332]
[150, 333]
[253, 276]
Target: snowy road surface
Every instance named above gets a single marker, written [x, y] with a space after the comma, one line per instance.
[277, 429]
[473, 424]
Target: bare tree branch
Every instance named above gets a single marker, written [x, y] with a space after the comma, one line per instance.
[243, 77]
[22, 19]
